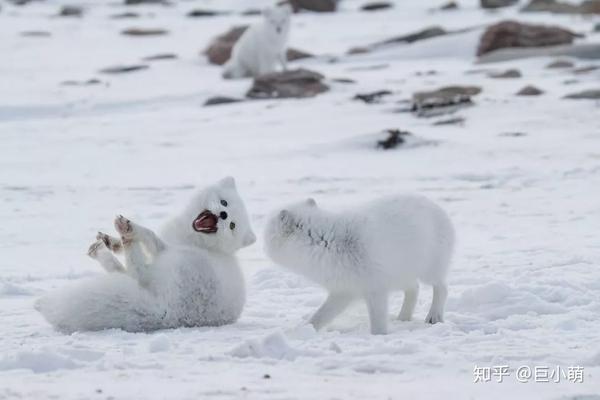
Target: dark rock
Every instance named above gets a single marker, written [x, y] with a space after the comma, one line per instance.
[592, 94]
[530, 91]
[597, 27]
[358, 50]
[509, 73]
[377, 5]
[219, 51]
[89, 82]
[125, 15]
[121, 69]
[451, 5]
[373, 97]
[508, 34]
[450, 121]
[204, 13]
[446, 100]
[70, 11]
[314, 5]
[395, 138]
[297, 83]
[252, 11]
[266, 376]
[140, 2]
[558, 7]
[497, 3]
[144, 32]
[426, 33]
[343, 80]
[161, 57]
[585, 70]
[560, 64]
[218, 100]
[36, 34]
[513, 134]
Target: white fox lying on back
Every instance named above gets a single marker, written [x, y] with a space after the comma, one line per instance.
[386, 245]
[187, 277]
[261, 46]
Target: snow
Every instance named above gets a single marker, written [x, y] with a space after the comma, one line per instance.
[525, 282]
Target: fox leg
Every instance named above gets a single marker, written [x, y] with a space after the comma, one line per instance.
[101, 253]
[135, 240]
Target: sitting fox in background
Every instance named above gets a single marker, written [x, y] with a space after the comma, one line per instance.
[187, 277]
[261, 46]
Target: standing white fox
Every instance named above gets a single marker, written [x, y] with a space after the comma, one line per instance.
[189, 276]
[261, 46]
[386, 245]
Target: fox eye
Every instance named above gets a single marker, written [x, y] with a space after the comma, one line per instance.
[232, 225]
[224, 203]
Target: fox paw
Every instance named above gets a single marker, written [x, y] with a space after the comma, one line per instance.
[112, 243]
[95, 248]
[124, 227]
[434, 317]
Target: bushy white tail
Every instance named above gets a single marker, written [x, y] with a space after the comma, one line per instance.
[104, 302]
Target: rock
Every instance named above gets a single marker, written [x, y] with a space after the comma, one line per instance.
[597, 27]
[251, 11]
[314, 5]
[451, 5]
[558, 7]
[445, 100]
[70, 11]
[373, 97]
[377, 5]
[218, 100]
[139, 2]
[36, 34]
[530, 91]
[509, 34]
[426, 33]
[592, 94]
[121, 69]
[219, 51]
[125, 15]
[346, 81]
[497, 3]
[509, 73]
[144, 32]
[160, 57]
[513, 134]
[450, 121]
[585, 70]
[89, 82]
[395, 138]
[204, 13]
[588, 51]
[358, 50]
[297, 83]
[560, 64]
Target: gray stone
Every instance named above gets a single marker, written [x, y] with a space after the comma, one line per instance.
[591, 94]
[509, 73]
[559, 7]
[497, 3]
[560, 64]
[530, 91]
[297, 83]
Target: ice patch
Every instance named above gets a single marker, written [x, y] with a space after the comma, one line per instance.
[9, 289]
[159, 343]
[37, 362]
[274, 345]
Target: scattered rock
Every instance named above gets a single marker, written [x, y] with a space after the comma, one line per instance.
[266, 376]
[451, 5]
[89, 82]
[125, 15]
[139, 2]
[597, 27]
[70, 11]
[450, 121]
[198, 13]
[395, 138]
[377, 5]
[218, 100]
[585, 70]
[314, 5]
[373, 97]
[588, 51]
[497, 3]
[570, 82]
[509, 73]
[530, 90]
[560, 64]
[297, 83]
[558, 7]
[508, 34]
[144, 32]
[592, 94]
[161, 57]
[219, 51]
[358, 50]
[121, 69]
[446, 100]
[343, 80]
[513, 134]
[426, 33]
[251, 11]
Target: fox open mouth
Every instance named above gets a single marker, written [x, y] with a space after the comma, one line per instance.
[206, 222]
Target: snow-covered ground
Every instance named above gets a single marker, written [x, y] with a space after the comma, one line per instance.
[525, 283]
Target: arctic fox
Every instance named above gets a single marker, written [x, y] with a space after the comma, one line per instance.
[261, 46]
[189, 276]
[383, 246]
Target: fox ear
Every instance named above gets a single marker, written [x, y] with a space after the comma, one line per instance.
[311, 202]
[228, 182]
[249, 239]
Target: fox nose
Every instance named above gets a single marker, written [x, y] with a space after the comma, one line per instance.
[223, 215]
